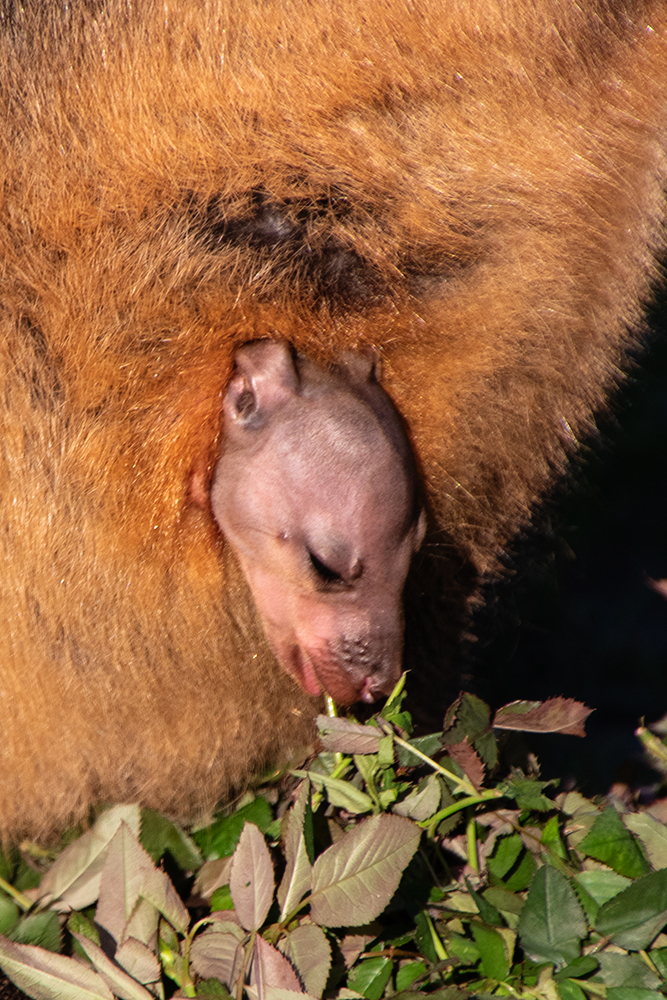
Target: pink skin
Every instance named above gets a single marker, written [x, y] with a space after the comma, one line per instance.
[315, 491]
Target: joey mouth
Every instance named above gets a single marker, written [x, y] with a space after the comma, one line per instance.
[319, 673]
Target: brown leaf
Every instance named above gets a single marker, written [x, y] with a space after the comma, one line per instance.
[469, 761]
[555, 715]
[343, 736]
[218, 953]
[270, 968]
[251, 881]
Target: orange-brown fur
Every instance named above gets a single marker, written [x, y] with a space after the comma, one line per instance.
[493, 168]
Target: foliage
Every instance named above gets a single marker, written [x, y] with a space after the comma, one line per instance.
[390, 866]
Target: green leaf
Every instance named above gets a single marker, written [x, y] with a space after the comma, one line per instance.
[505, 854]
[625, 970]
[527, 791]
[567, 990]
[159, 835]
[430, 745]
[551, 924]
[221, 899]
[602, 885]
[408, 973]
[370, 977]
[659, 958]
[522, 874]
[652, 834]
[355, 878]
[9, 914]
[42, 929]
[487, 911]
[220, 839]
[635, 916]
[424, 938]
[580, 967]
[610, 842]
[493, 960]
[341, 794]
[551, 837]
[464, 949]
[503, 900]
[473, 719]
[632, 993]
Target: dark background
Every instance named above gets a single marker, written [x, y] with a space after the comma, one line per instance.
[579, 618]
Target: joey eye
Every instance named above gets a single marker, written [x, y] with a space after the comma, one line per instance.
[325, 573]
[245, 404]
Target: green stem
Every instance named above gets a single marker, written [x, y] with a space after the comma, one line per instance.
[464, 783]
[22, 900]
[472, 800]
[471, 839]
[187, 983]
[246, 958]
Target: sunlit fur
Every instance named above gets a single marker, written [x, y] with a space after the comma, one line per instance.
[472, 187]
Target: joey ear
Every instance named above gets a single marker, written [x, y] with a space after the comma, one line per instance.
[420, 531]
[361, 366]
[264, 379]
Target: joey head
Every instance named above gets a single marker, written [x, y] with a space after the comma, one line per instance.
[316, 492]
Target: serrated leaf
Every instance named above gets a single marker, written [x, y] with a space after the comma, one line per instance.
[610, 842]
[555, 715]
[653, 835]
[469, 762]
[45, 975]
[371, 976]
[274, 993]
[602, 885]
[341, 794]
[310, 953]
[271, 970]
[343, 736]
[355, 878]
[251, 880]
[218, 953]
[159, 835]
[75, 876]
[625, 970]
[422, 803]
[296, 880]
[129, 876]
[119, 982]
[139, 961]
[551, 925]
[429, 745]
[527, 791]
[472, 719]
[635, 916]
